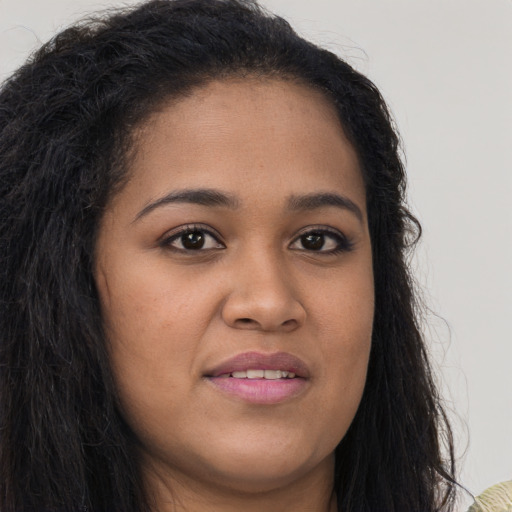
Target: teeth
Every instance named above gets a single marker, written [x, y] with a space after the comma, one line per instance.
[255, 374]
[273, 374]
[263, 374]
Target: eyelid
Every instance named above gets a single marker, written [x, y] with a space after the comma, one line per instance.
[166, 240]
[345, 244]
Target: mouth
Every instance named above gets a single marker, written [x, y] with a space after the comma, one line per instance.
[259, 374]
[259, 378]
[257, 365]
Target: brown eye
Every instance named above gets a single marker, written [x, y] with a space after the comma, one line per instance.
[189, 239]
[323, 241]
[193, 240]
[313, 241]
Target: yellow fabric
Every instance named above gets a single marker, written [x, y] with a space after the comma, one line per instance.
[497, 498]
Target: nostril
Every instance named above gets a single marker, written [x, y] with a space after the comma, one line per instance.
[246, 323]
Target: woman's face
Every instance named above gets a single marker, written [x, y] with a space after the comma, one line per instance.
[236, 256]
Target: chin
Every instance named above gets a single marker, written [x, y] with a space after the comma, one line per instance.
[265, 474]
[261, 467]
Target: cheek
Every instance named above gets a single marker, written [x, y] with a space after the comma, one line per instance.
[344, 325]
[147, 308]
[344, 309]
[153, 336]
[154, 322]
[147, 324]
[344, 380]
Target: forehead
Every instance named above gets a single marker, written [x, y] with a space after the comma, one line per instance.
[242, 134]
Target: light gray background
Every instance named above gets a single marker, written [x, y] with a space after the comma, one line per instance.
[444, 67]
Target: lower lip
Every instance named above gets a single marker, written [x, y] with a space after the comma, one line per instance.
[260, 391]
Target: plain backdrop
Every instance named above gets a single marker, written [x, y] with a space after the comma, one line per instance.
[444, 67]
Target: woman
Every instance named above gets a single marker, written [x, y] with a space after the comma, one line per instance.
[205, 301]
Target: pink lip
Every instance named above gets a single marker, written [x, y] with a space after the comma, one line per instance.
[260, 391]
[260, 361]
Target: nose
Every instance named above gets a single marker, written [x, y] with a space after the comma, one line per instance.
[263, 297]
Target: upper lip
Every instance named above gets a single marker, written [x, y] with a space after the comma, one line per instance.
[261, 361]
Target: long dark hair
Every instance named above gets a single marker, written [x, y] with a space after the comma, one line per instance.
[67, 120]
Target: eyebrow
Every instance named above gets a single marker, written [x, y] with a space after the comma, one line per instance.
[323, 199]
[211, 197]
[201, 196]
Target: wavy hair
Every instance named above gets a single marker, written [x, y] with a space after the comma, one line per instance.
[67, 120]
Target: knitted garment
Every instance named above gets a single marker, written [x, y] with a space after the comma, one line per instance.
[497, 498]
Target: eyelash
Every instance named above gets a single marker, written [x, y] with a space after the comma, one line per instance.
[188, 230]
[342, 243]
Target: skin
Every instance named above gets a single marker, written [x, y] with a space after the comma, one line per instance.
[171, 314]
